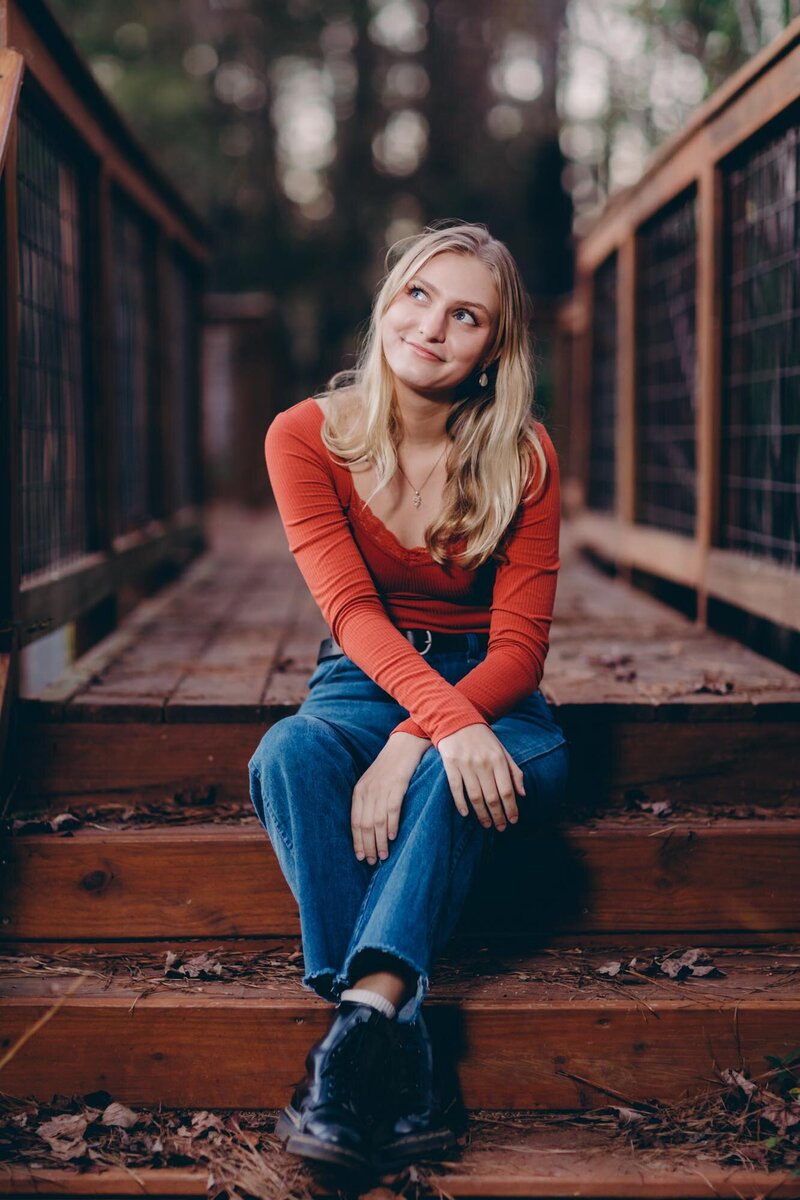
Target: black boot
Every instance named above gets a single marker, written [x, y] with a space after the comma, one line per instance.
[415, 1126]
[329, 1113]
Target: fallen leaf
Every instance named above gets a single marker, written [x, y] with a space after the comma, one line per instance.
[118, 1114]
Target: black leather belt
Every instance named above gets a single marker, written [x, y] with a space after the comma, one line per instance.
[427, 641]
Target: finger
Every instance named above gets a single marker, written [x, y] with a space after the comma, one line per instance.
[380, 831]
[477, 797]
[456, 788]
[355, 825]
[516, 774]
[491, 796]
[393, 818]
[368, 832]
[505, 787]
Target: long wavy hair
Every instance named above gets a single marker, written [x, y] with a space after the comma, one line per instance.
[495, 450]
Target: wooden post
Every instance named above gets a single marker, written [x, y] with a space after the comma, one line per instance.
[166, 390]
[10, 527]
[626, 385]
[102, 451]
[709, 334]
[584, 384]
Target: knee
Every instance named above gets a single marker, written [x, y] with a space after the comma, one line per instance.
[550, 775]
[287, 748]
[287, 742]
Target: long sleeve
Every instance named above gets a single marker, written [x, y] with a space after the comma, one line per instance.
[522, 607]
[337, 576]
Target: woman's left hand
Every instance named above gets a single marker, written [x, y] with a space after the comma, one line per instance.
[378, 796]
[477, 762]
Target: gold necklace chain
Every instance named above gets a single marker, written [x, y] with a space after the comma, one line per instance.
[417, 499]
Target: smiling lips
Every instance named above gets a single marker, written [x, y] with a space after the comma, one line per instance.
[423, 352]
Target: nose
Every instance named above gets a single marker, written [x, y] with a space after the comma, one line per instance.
[431, 325]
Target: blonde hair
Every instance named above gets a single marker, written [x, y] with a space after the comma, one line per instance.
[494, 440]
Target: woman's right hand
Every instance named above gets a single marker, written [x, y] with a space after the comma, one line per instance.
[476, 761]
[378, 796]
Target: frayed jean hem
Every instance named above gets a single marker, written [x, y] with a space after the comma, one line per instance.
[323, 983]
[408, 1013]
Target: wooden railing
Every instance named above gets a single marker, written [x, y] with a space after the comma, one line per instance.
[102, 264]
[680, 354]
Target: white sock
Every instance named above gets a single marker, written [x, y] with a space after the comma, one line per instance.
[374, 999]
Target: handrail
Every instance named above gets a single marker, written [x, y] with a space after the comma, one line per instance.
[660, 255]
[12, 67]
[710, 111]
[60, 70]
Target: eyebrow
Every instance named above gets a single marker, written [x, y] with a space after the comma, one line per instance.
[470, 303]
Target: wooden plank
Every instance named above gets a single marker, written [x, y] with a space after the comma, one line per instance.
[115, 754]
[622, 1182]
[625, 431]
[233, 668]
[21, 1180]
[154, 664]
[710, 237]
[104, 446]
[668, 555]
[11, 627]
[298, 655]
[12, 67]
[695, 875]
[755, 584]
[68, 591]
[517, 1038]
[99, 659]
[591, 1178]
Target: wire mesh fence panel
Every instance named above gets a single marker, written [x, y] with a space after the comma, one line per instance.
[602, 416]
[665, 470]
[53, 412]
[760, 443]
[133, 290]
[183, 351]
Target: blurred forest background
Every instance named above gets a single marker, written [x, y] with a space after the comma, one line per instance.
[313, 133]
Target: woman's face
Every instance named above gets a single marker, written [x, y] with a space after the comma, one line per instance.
[441, 324]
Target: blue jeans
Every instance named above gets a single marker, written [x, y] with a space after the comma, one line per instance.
[302, 777]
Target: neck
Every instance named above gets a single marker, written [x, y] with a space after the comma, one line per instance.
[423, 418]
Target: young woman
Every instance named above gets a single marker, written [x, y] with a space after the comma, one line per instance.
[420, 499]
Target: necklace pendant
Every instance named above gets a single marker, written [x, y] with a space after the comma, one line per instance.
[417, 499]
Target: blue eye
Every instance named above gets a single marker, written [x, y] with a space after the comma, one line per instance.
[473, 320]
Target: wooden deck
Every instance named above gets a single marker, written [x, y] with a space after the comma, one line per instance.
[236, 638]
[231, 645]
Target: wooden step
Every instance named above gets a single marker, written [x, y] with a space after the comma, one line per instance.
[617, 874]
[531, 1155]
[615, 751]
[522, 1031]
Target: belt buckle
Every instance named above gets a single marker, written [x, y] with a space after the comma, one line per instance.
[430, 641]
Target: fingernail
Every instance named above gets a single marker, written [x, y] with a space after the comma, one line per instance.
[359, 855]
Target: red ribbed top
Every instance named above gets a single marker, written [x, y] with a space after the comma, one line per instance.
[369, 586]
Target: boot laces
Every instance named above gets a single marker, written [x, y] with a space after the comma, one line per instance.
[342, 1062]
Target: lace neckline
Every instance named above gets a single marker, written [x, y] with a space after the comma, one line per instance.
[380, 532]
